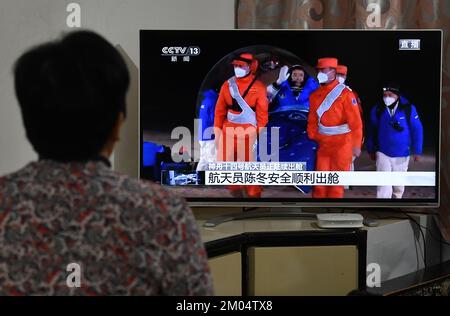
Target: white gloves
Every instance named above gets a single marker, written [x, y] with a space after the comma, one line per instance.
[283, 75]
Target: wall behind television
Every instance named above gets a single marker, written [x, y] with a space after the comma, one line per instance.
[24, 23]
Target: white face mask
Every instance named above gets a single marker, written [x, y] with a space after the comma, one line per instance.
[341, 80]
[322, 77]
[240, 72]
[389, 101]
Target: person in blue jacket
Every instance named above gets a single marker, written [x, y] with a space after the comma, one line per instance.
[206, 124]
[395, 133]
[292, 89]
[288, 112]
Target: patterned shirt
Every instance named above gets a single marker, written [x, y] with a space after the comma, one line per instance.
[128, 237]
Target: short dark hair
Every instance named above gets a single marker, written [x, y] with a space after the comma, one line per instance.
[296, 67]
[71, 92]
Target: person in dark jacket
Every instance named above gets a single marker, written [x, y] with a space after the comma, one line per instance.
[395, 132]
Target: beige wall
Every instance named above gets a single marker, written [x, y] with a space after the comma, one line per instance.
[24, 23]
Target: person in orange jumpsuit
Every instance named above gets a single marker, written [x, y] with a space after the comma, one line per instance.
[334, 122]
[342, 72]
[241, 111]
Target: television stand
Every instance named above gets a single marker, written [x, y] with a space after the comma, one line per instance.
[272, 213]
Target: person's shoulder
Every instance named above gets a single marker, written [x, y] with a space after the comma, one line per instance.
[5, 180]
[316, 92]
[375, 109]
[376, 106]
[406, 102]
[311, 84]
[12, 184]
[259, 84]
[210, 94]
[151, 195]
[224, 85]
[133, 185]
[25, 174]
[166, 209]
[348, 91]
[314, 99]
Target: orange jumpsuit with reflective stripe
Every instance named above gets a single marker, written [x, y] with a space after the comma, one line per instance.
[335, 151]
[242, 137]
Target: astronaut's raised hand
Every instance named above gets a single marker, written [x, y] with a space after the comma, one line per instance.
[283, 75]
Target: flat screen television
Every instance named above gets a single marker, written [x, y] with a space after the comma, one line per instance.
[239, 117]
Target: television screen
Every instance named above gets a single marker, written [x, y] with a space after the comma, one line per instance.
[292, 117]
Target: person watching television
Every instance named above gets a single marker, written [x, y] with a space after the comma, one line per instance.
[69, 208]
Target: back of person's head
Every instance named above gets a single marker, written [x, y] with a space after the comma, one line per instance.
[71, 92]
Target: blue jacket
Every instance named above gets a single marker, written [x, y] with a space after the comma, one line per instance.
[206, 113]
[285, 99]
[383, 137]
